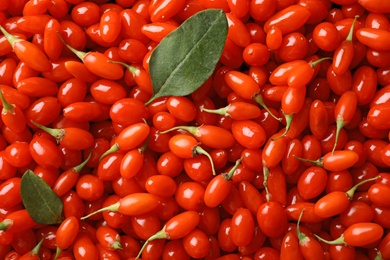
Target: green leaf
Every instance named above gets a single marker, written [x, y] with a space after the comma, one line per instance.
[187, 56]
[43, 205]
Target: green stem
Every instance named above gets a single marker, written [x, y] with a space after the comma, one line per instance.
[114, 148]
[5, 224]
[229, 175]
[58, 252]
[259, 100]
[10, 38]
[301, 236]
[58, 134]
[339, 125]
[289, 119]
[350, 34]
[316, 62]
[317, 162]
[378, 255]
[132, 69]
[79, 167]
[159, 235]
[337, 241]
[114, 208]
[220, 111]
[37, 248]
[7, 107]
[352, 190]
[147, 103]
[142, 149]
[191, 129]
[265, 182]
[117, 244]
[200, 150]
[80, 54]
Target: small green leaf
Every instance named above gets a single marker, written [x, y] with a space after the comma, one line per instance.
[43, 205]
[186, 57]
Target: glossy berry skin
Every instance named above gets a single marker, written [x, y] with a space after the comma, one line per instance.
[339, 160]
[290, 246]
[357, 212]
[76, 138]
[272, 155]
[89, 187]
[181, 224]
[332, 204]
[100, 65]
[196, 243]
[242, 84]
[297, 16]
[21, 221]
[248, 133]
[217, 190]
[183, 146]
[189, 195]
[18, 155]
[309, 246]
[272, 219]
[161, 185]
[131, 163]
[10, 193]
[280, 74]
[383, 246]
[273, 151]
[181, 108]
[242, 227]
[312, 182]
[137, 203]
[243, 110]
[45, 152]
[67, 232]
[373, 38]
[377, 192]
[326, 36]
[29, 53]
[377, 116]
[12, 116]
[108, 237]
[84, 247]
[294, 211]
[362, 234]
[214, 137]
[132, 136]
[319, 121]
[128, 111]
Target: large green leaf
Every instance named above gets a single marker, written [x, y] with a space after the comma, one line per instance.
[186, 57]
[40, 201]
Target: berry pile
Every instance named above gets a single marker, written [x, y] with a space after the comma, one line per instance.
[194, 129]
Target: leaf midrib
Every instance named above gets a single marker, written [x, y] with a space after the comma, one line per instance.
[44, 200]
[187, 55]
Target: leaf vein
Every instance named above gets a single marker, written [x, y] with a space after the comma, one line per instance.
[188, 55]
[43, 199]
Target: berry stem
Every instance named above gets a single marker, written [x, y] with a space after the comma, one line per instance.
[7, 107]
[159, 235]
[114, 207]
[10, 38]
[80, 54]
[259, 99]
[229, 175]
